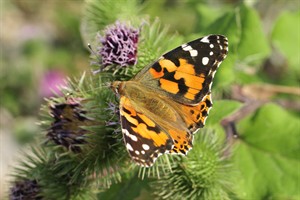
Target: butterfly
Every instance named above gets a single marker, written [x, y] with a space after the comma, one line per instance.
[169, 100]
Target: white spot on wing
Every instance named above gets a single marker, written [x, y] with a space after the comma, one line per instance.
[137, 152]
[146, 147]
[211, 46]
[211, 53]
[205, 39]
[194, 53]
[210, 86]
[142, 152]
[129, 147]
[132, 137]
[205, 60]
[186, 47]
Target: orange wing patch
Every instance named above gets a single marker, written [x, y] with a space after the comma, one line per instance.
[169, 86]
[142, 125]
[181, 79]
[144, 139]
[183, 141]
[195, 116]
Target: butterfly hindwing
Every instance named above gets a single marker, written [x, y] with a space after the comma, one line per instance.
[195, 116]
[185, 74]
[144, 139]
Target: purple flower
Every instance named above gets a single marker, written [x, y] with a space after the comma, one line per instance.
[118, 45]
[50, 83]
[66, 128]
[25, 189]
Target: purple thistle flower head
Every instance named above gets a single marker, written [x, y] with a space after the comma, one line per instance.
[66, 127]
[119, 45]
[25, 189]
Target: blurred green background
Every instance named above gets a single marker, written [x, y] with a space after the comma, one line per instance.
[41, 45]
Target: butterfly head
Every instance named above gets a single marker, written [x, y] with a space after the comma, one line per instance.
[116, 87]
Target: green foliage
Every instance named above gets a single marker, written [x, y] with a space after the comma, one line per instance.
[241, 25]
[220, 110]
[267, 155]
[286, 43]
[54, 181]
[99, 14]
[129, 188]
[253, 47]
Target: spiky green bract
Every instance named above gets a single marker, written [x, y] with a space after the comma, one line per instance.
[102, 156]
[200, 175]
[152, 44]
[53, 182]
[105, 155]
[162, 166]
[98, 14]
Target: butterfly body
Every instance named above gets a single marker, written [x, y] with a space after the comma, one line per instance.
[169, 100]
[146, 100]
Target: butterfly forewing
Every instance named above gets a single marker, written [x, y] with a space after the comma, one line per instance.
[185, 74]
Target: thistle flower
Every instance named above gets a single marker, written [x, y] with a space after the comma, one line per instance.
[26, 189]
[118, 45]
[66, 129]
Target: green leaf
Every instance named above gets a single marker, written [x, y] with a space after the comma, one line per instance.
[226, 25]
[253, 47]
[286, 38]
[267, 155]
[127, 190]
[221, 109]
[207, 14]
[226, 75]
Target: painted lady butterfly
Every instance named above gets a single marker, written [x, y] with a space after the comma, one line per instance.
[169, 100]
